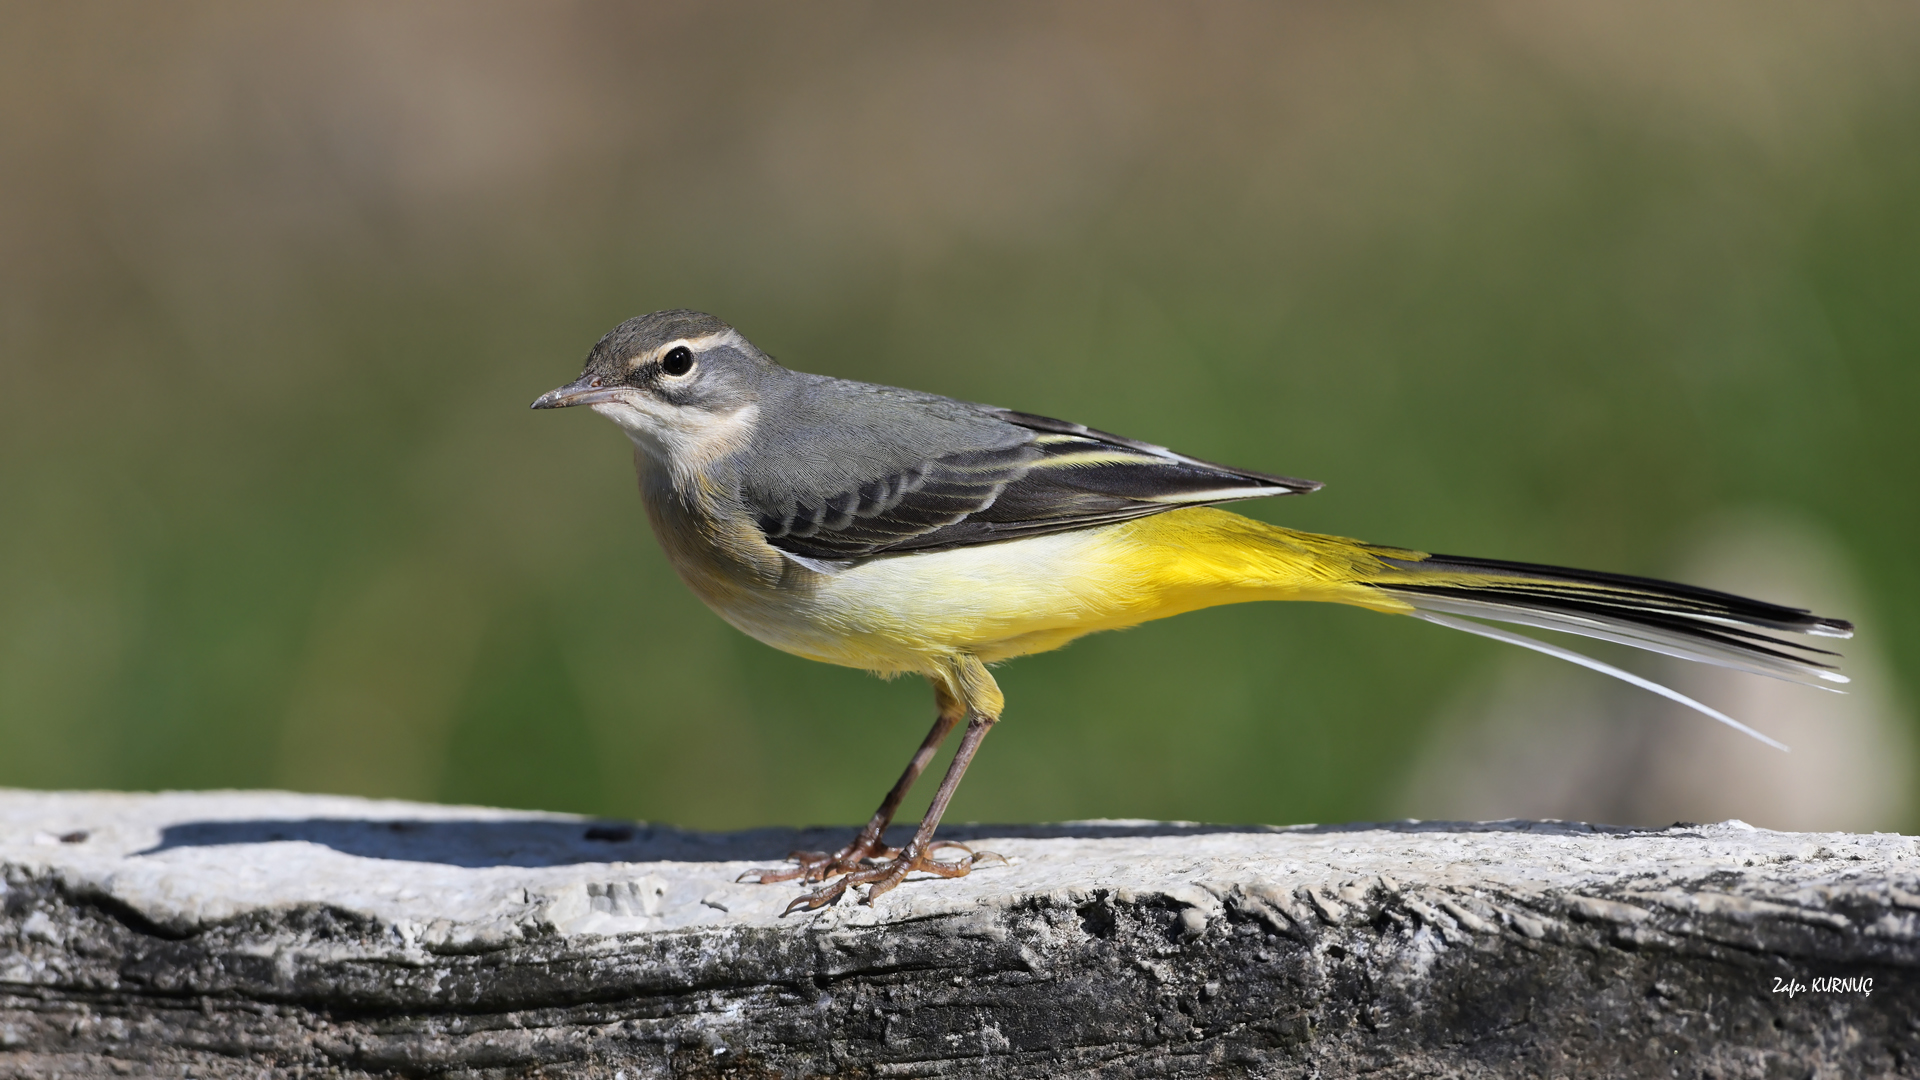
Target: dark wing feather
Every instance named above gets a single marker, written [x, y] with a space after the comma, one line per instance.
[895, 510]
[1049, 476]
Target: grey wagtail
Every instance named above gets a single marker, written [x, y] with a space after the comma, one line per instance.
[904, 532]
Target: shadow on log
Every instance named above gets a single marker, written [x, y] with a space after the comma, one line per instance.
[225, 934]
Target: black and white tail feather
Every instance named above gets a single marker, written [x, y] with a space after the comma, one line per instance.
[1659, 616]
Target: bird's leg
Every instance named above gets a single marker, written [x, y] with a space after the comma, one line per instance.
[915, 856]
[812, 866]
[977, 689]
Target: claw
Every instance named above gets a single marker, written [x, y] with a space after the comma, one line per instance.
[817, 866]
[973, 857]
[807, 861]
[882, 879]
[854, 865]
[817, 899]
[767, 877]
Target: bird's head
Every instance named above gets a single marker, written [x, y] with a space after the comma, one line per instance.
[682, 384]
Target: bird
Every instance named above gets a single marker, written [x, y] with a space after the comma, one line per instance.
[906, 533]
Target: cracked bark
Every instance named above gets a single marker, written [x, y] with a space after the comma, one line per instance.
[236, 934]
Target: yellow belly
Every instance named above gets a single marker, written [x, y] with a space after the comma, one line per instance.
[909, 613]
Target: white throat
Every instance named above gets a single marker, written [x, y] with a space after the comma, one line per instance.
[687, 441]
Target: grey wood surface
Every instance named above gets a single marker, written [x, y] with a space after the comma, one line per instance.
[250, 934]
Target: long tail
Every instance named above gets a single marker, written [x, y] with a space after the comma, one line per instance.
[1659, 616]
[1201, 556]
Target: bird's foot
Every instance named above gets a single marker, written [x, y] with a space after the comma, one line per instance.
[882, 879]
[817, 866]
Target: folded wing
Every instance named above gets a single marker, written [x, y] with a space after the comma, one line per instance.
[1040, 476]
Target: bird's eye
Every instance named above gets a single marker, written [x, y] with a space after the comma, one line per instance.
[678, 361]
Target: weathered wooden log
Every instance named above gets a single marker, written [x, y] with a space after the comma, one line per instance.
[242, 935]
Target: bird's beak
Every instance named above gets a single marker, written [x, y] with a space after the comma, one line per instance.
[585, 390]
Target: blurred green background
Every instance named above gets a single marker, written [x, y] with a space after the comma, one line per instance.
[1545, 281]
